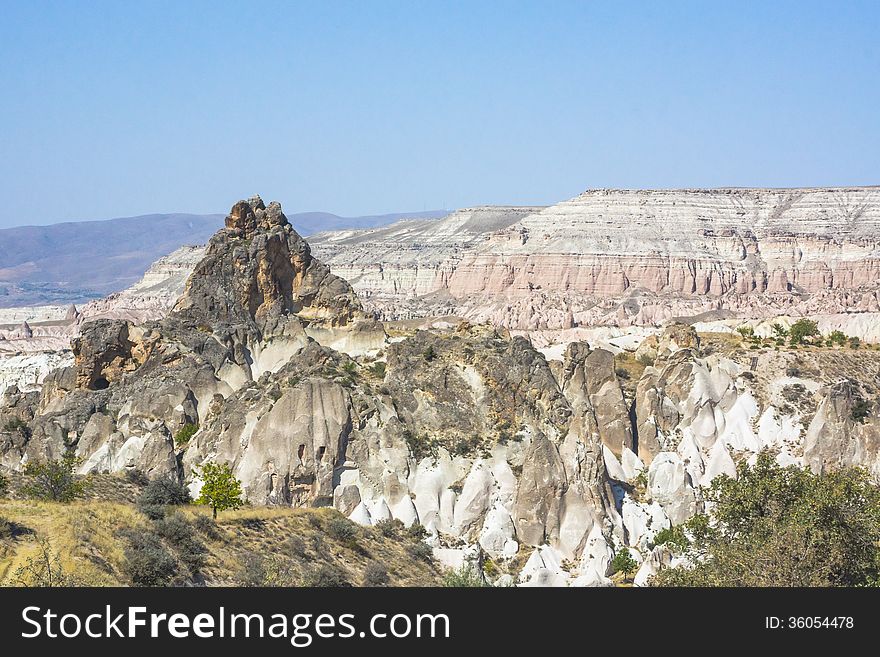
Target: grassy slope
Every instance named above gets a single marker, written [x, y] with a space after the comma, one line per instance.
[86, 534]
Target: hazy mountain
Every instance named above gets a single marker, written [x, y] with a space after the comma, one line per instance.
[77, 261]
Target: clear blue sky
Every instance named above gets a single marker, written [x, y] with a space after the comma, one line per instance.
[120, 108]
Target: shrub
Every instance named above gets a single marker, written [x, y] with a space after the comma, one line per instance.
[779, 332]
[854, 343]
[809, 529]
[343, 530]
[389, 528]
[295, 546]
[429, 354]
[19, 425]
[645, 360]
[801, 329]
[672, 537]
[792, 372]
[162, 491]
[377, 369]
[327, 576]
[747, 332]
[55, 480]
[44, 570]
[622, 373]
[220, 489]
[6, 528]
[258, 570]
[4, 486]
[465, 577]
[137, 477]
[147, 562]
[375, 574]
[179, 532]
[861, 409]
[421, 551]
[206, 526]
[416, 532]
[837, 337]
[183, 435]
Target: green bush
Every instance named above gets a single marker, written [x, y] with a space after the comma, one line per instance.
[389, 528]
[465, 577]
[801, 329]
[175, 529]
[429, 354]
[854, 343]
[775, 526]
[55, 480]
[136, 477]
[672, 537]
[4, 486]
[837, 337]
[183, 435]
[343, 530]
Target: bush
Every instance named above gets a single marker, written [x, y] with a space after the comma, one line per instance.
[854, 343]
[147, 562]
[389, 528]
[622, 373]
[421, 551]
[429, 354]
[645, 360]
[465, 577]
[6, 528]
[44, 570]
[54, 480]
[792, 372]
[258, 570]
[375, 574]
[137, 477]
[19, 425]
[4, 486]
[775, 526]
[861, 409]
[183, 435]
[179, 532]
[343, 530]
[672, 537]
[416, 532]
[801, 329]
[295, 546]
[327, 576]
[837, 337]
[206, 526]
[163, 491]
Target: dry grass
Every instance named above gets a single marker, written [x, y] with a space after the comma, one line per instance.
[89, 537]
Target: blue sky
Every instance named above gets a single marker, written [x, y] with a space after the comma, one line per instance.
[119, 108]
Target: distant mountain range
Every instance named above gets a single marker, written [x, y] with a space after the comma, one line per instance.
[77, 261]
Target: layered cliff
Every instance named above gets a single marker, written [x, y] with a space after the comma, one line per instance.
[621, 257]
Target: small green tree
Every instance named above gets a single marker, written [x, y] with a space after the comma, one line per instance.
[837, 337]
[623, 562]
[747, 332]
[221, 490]
[184, 434]
[803, 328]
[55, 480]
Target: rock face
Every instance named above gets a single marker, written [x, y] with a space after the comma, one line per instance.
[624, 257]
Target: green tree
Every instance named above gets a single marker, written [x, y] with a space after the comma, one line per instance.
[55, 480]
[779, 331]
[221, 490]
[837, 337]
[623, 562]
[775, 526]
[803, 328]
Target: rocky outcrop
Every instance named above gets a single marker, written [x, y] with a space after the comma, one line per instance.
[620, 257]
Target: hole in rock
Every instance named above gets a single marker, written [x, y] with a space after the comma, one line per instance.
[100, 383]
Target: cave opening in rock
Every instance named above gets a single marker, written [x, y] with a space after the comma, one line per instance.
[100, 383]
